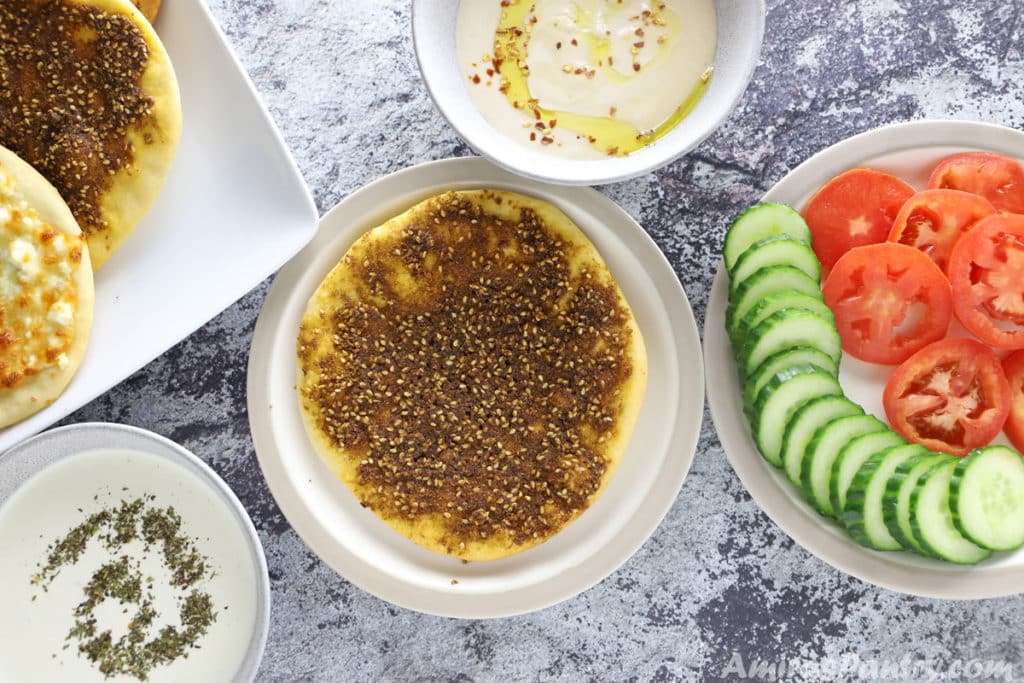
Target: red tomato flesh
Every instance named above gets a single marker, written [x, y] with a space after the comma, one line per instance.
[932, 221]
[853, 209]
[951, 396]
[986, 270]
[1013, 366]
[889, 300]
[997, 178]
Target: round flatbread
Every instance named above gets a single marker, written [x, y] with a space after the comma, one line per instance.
[46, 292]
[472, 372]
[89, 98]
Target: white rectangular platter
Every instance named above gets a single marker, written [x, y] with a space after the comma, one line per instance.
[234, 209]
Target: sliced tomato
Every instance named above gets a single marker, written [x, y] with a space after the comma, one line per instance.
[932, 221]
[1013, 366]
[889, 300]
[855, 208]
[950, 396]
[986, 269]
[997, 178]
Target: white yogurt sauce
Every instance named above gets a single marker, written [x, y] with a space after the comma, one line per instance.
[590, 65]
[46, 508]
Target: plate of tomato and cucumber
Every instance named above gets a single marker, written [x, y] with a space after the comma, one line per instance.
[864, 351]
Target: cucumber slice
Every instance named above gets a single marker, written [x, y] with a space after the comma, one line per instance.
[806, 421]
[773, 365]
[931, 520]
[986, 497]
[778, 250]
[896, 499]
[765, 283]
[758, 222]
[771, 304]
[849, 461]
[862, 515]
[787, 329]
[822, 451]
[777, 402]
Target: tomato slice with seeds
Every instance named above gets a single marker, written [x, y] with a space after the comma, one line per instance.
[889, 300]
[986, 270]
[853, 209]
[1013, 367]
[932, 221]
[997, 178]
[951, 396]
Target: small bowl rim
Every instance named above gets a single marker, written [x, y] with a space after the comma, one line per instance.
[590, 172]
[174, 452]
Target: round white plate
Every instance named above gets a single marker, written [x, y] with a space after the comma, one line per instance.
[909, 150]
[23, 462]
[362, 548]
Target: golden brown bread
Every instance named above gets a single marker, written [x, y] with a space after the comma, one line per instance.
[98, 114]
[472, 372]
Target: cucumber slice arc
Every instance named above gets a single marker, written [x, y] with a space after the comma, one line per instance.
[771, 304]
[896, 499]
[862, 515]
[986, 497]
[787, 329]
[849, 461]
[773, 365]
[777, 250]
[765, 283]
[758, 222]
[822, 451]
[806, 421]
[777, 402]
[931, 520]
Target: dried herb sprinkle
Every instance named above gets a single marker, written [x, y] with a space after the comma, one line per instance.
[139, 650]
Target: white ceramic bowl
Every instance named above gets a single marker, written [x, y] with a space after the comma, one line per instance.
[19, 466]
[740, 29]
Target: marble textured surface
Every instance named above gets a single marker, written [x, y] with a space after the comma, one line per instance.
[718, 578]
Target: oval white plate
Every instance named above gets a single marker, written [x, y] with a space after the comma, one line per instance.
[360, 547]
[23, 462]
[909, 150]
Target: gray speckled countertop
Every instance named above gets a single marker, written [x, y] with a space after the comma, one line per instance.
[718, 579]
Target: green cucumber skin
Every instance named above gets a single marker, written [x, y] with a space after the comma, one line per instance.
[954, 498]
[835, 499]
[809, 265]
[891, 495]
[776, 363]
[824, 506]
[746, 364]
[855, 512]
[802, 302]
[739, 306]
[851, 411]
[916, 527]
[775, 385]
[801, 233]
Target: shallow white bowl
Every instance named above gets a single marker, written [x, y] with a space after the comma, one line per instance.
[910, 151]
[740, 30]
[367, 552]
[24, 461]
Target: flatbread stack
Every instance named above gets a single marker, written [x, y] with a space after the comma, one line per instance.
[472, 372]
[90, 120]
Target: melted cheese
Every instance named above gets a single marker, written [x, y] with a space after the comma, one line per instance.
[38, 298]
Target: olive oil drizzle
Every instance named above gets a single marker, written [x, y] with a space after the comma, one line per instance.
[613, 136]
